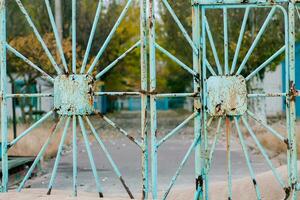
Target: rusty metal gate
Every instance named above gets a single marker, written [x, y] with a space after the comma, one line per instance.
[220, 92]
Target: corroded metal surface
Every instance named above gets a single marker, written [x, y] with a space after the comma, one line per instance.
[73, 95]
[226, 95]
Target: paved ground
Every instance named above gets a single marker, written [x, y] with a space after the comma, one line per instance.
[128, 159]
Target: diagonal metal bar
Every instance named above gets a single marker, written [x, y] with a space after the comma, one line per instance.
[36, 124]
[109, 37]
[176, 60]
[213, 47]
[239, 43]
[209, 67]
[26, 60]
[183, 162]
[58, 40]
[266, 63]
[38, 36]
[92, 34]
[256, 40]
[264, 153]
[75, 170]
[115, 62]
[214, 144]
[122, 131]
[74, 36]
[107, 154]
[246, 154]
[91, 157]
[225, 28]
[179, 24]
[177, 129]
[264, 124]
[58, 156]
[54, 131]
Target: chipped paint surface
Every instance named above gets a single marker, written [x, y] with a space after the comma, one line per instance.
[73, 95]
[227, 95]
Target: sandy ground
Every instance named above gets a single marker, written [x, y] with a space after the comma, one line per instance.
[242, 189]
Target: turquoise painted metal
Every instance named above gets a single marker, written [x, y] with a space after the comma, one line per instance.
[219, 93]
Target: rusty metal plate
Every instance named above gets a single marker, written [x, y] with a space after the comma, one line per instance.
[73, 95]
[227, 95]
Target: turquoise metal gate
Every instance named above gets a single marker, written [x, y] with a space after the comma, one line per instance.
[220, 92]
[74, 93]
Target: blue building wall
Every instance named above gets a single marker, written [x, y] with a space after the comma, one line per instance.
[297, 52]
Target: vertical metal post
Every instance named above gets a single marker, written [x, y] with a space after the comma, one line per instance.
[144, 87]
[4, 132]
[74, 53]
[197, 69]
[291, 106]
[153, 114]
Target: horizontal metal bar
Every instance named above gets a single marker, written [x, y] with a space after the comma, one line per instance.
[117, 93]
[272, 131]
[26, 60]
[175, 59]
[115, 62]
[266, 95]
[238, 2]
[177, 129]
[177, 95]
[36, 124]
[29, 95]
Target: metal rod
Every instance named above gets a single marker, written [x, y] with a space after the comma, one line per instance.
[264, 153]
[266, 63]
[92, 34]
[264, 124]
[225, 28]
[75, 153]
[115, 62]
[228, 155]
[182, 164]
[239, 43]
[213, 47]
[58, 40]
[144, 97]
[39, 37]
[179, 24]
[3, 91]
[209, 67]
[109, 37]
[153, 111]
[31, 64]
[74, 39]
[58, 156]
[107, 154]
[33, 126]
[36, 95]
[91, 157]
[246, 154]
[214, 144]
[256, 40]
[266, 95]
[120, 130]
[176, 60]
[54, 131]
[117, 94]
[177, 129]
